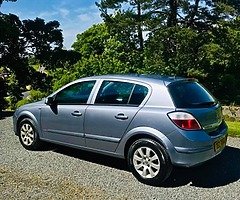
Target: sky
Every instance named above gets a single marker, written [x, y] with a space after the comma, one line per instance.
[74, 16]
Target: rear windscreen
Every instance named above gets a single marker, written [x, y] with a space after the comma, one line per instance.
[190, 95]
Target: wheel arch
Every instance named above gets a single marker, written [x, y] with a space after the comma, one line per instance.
[26, 115]
[136, 137]
[147, 133]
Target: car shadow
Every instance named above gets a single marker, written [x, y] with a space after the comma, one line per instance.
[108, 161]
[5, 114]
[220, 171]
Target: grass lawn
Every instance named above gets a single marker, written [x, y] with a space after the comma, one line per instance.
[233, 129]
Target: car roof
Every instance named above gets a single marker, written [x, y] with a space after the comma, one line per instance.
[146, 78]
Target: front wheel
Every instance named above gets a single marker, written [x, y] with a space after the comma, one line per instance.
[28, 135]
[149, 161]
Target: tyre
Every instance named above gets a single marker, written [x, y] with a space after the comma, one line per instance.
[28, 135]
[149, 162]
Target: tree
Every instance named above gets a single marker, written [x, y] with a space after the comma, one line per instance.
[13, 55]
[1, 1]
[128, 22]
[101, 53]
[97, 43]
[92, 41]
[21, 39]
[42, 39]
[196, 38]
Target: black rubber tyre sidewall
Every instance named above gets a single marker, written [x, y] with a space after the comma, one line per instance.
[165, 163]
[36, 143]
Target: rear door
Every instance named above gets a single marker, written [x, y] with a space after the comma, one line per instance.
[115, 106]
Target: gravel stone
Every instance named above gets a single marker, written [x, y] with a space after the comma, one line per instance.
[64, 173]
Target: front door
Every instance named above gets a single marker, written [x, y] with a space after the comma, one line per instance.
[63, 121]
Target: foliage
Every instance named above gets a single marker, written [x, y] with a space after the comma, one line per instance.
[233, 129]
[196, 38]
[42, 38]
[173, 50]
[14, 92]
[62, 77]
[211, 56]
[102, 53]
[34, 95]
[18, 40]
[92, 41]
[3, 93]
[1, 1]
[36, 41]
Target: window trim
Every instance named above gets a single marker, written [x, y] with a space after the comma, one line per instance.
[130, 96]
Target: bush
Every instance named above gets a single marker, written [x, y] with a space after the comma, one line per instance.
[63, 80]
[22, 102]
[34, 95]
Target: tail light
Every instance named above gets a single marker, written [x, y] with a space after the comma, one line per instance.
[184, 120]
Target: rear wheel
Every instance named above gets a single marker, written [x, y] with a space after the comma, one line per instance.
[28, 135]
[149, 162]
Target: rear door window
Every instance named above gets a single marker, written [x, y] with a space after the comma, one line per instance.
[138, 95]
[114, 92]
[190, 94]
[121, 93]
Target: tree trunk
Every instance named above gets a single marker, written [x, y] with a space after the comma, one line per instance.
[139, 26]
[193, 13]
[172, 18]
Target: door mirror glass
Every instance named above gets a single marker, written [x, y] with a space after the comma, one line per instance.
[49, 101]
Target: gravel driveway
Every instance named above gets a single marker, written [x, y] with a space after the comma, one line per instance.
[64, 173]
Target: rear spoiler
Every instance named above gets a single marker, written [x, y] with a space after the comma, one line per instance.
[179, 79]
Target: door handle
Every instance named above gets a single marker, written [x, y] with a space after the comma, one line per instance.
[76, 113]
[121, 116]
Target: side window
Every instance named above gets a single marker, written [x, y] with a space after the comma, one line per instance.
[114, 92]
[139, 93]
[75, 94]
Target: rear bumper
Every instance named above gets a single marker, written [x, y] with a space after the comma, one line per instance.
[194, 157]
[188, 157]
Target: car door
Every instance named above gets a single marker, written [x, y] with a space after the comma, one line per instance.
[108, 118]
[63, 120]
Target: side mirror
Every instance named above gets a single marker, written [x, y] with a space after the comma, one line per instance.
[49, 101]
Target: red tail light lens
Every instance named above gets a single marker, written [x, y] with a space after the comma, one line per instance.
[184, 120]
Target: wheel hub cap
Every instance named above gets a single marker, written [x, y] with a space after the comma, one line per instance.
[146, 162]
[27, 134]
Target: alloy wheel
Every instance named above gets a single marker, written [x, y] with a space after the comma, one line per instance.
[27, 134]
[146, 162]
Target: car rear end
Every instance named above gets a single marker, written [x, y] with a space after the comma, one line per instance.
[200, 132]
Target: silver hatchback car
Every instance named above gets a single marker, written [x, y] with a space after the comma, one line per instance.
[154, 122]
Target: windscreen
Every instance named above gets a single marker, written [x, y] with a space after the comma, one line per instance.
[189, 94]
